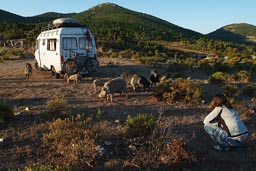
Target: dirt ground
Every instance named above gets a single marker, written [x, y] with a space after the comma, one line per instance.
[29, 97]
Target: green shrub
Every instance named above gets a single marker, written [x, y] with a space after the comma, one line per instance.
[139, 125]
[233, 61]
[74, 140]
[180, 90]
[6, 111]
[230, 90]
[243, 76]
[219, 77]
[250, 90]
[114, 55]
[191, 62]
[56, 105]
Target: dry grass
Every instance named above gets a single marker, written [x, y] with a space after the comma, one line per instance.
[62, 142]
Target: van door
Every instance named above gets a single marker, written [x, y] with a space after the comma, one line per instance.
[42, 52]
[52, 57]
[37, 52]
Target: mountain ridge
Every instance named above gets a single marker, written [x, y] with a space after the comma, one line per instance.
[237, 33]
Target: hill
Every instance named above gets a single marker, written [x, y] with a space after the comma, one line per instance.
[237, 33]
[116, 27]
[10, 17]
[111, 16]
[108, 16]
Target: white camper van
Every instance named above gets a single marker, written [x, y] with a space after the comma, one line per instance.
[66, 47]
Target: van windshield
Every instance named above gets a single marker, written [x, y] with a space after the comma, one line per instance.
[69, 43]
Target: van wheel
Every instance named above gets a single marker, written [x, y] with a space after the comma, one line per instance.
[54, 73]
[92, 65]
[70, 67]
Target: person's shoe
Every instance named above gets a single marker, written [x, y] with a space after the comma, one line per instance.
[217, 147]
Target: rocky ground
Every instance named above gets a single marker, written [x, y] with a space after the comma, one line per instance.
[29, 97]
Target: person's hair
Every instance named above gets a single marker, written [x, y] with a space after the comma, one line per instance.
[220, 100]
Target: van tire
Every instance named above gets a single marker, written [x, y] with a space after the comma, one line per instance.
[70, 67]
[92, 65]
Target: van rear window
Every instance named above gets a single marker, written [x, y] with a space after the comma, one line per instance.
[82, 43]
[69, 43]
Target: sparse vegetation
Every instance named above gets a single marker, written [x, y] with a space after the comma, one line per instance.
[219, 77]
[243, 76]
[139, 125]
[180, 90]
[57, 105]
[74, 140]
[97, 138]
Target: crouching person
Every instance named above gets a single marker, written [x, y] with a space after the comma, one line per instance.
[224, 125]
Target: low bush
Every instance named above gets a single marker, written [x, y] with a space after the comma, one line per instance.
[180, 90]
[74, 140]
[139, 125]
[249, 90]
[219, 77]
[163, 149]
[230, 90]
[6, 111]
[56, 105]
[191, 62]
[243, 76]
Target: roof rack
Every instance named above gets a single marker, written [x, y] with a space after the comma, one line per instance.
[62, 22]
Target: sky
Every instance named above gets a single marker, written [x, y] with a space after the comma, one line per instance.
[203, 16]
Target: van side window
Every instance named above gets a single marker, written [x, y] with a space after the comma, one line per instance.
[69, 43]
[51, 44]
[82, 43]
[43, 42]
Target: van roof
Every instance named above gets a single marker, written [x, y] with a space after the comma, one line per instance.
[62, 22]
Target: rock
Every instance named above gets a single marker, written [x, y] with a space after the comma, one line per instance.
[27, 109]
[101, 150]
[117, 121]
[132, 147]
[17, 113]
[203, 102]
[1, 140]
[108, 143]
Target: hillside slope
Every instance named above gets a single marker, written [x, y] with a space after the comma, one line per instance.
[10, 17]
[111, 16]
[236, 33]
